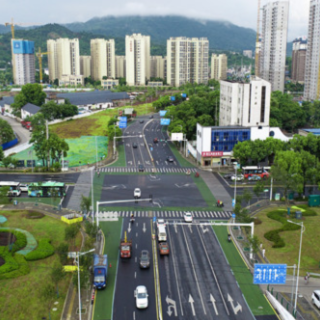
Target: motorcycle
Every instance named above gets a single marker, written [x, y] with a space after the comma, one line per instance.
[132, 219]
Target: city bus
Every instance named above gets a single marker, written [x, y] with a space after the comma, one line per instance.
[14, 188]
[254, 171]
[47, 189]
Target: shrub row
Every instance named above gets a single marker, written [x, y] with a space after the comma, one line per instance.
[22, 270]
[273, 235]
[10, 263]
[21, 239]
[44, 250]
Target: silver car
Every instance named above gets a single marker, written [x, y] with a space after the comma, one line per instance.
[144, 259]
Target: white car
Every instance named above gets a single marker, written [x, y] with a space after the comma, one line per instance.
[160, 222]
[187, 217]
[316, 298]
[137, 193]
[239, 177]
[24, 187]
[141, 295]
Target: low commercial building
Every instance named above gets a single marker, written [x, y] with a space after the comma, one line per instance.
[29, 110]
[71, 80]
[109, 83]
[215, 144]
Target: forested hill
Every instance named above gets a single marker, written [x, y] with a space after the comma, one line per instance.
[222, 35]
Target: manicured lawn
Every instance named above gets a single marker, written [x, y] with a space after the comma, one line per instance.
[254, 296]
[104, 299]
[182, 161]
[289, 254]
[206, 193]
[94, 125]
[20, 298]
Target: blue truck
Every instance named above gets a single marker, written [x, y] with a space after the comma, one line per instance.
[100, 271]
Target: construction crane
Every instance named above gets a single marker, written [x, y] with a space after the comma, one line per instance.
[39, 55]
[256, 66]
[12, 24]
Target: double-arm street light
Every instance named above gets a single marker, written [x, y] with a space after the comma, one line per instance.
[297, 285]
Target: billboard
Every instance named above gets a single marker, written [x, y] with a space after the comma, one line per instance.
[128, 111]
[165, 122]
[177, 136]
[162, 113]
[23, 47]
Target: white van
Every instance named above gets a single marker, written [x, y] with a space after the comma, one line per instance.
[162, 234]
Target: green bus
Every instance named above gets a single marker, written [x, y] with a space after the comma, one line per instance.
[47, 189]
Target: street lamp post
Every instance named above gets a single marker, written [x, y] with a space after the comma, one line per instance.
[297, 284]
[235, 184]
[78, 256]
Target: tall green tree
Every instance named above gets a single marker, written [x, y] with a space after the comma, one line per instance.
[6, 132]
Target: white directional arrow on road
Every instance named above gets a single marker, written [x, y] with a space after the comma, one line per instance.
[130, 163]
[191, 301]
[237, 308]
[183, 185]
[148, 162]
[175, 227]
[204, 230]
[213, 301]
[190, 228]
[171, 304]
[129, 228]
[144, 227]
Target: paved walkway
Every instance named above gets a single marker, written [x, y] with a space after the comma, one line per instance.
[82, 187]
[218, 190]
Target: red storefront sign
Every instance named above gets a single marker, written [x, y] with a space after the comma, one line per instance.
[212, 154]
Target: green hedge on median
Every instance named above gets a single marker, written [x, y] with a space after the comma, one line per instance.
[280, 215]
[44, 250]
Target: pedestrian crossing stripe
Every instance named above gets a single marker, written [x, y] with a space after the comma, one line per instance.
[174, 214]
[147, 169]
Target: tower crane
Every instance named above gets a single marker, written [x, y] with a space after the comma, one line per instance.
[12, 24]
[39, 55]
[256, 71]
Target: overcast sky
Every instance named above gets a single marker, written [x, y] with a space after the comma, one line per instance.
[239, 12]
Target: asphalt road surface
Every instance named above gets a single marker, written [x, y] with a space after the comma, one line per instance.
[196, 279]
[130, 275]
[150, 128]
[166, 190]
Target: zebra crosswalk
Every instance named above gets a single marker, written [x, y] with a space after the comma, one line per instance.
[148, 169]
[174, 214]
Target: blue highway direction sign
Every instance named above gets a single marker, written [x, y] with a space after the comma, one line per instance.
[269, 273]
[164, 122]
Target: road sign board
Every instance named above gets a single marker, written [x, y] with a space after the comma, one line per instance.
[123, 119]
[233, 203]
[269, 273]
[151, 149]
[162, 113]
[165, 122]
[122, 125]
[154, 219]
[233, 215]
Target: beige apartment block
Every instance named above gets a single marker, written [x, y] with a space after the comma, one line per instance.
[187, 60]
[298, 67]
[120, 66]
[274, 43]
[85, 66]
[102, 59]
[311, 78]
[137, 59]
[157, 64]
[219, 66]
[63, 57]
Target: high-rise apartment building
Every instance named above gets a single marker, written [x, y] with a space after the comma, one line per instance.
[299, 51]
[103, 59]
[274, 43]
[157, 64]
[187, 60]
[120, 66]
[311, 78]
[245, 104]
[63, 57]
[219, 66]
[23, 61]
[85, 66]
[137, 59]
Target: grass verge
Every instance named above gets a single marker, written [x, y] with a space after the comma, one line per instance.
[20, 298]
[104, 300]
[182, 161]
[252, 293]
[290, 252]
[121, 161]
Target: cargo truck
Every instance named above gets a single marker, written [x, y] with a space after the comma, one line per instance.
[125, 247]
[100, 271]
[26, 124]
